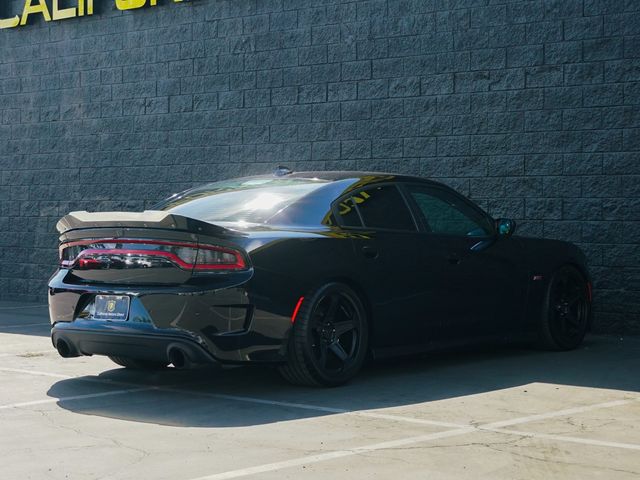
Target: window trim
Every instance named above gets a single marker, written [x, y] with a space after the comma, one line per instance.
[414, 206]
[397, 185]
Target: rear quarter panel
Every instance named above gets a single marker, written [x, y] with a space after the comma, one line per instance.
[288, 265]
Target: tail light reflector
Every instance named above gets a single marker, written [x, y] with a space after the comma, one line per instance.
[134, 253]
[214, 258]
[296, 309]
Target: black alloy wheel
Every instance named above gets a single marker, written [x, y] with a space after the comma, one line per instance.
[335, 332]
[329, 339]
[566, 317]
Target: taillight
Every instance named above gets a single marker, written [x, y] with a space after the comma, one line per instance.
[218, 258]
[133, 253]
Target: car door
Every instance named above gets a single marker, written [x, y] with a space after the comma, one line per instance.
[386, 243]
[482, 284]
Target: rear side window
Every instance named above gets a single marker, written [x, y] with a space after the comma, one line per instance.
[383, 207]
[348, 214]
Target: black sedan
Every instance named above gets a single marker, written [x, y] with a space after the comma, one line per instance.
[312, 272]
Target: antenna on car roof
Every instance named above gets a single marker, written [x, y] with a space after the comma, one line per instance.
[281, 171]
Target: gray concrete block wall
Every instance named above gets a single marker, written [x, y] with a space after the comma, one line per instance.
[530, 107]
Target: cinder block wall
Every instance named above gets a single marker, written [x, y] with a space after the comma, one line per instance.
[530, 107]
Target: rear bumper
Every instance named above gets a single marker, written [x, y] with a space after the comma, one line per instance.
[85, 339]
[225, 325]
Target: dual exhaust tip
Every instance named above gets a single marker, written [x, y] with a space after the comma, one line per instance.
[176, 355]
[65, 349]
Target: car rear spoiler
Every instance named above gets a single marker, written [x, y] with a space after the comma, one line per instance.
[148, 219]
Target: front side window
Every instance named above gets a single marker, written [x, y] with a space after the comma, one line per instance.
[445, 213]
[380, 206]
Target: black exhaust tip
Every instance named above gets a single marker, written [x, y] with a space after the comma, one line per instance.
[178, 357]
[65, 350]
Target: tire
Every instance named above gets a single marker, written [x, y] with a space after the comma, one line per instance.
[566, 312]
[135, 364]
[329, 340]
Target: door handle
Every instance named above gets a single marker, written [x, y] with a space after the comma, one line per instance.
[369, 252]
[454, 259]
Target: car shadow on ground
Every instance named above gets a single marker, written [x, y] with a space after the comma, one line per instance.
[208, 397]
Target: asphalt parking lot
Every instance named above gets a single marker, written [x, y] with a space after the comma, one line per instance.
[495, 414]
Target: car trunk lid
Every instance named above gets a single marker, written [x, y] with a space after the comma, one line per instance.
[151, 247]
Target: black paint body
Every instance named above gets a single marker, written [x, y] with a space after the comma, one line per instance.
[421, 290]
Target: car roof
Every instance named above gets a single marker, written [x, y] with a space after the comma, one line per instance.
[336, 175]
[337, 184]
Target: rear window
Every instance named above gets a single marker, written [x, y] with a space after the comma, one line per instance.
[251, 200]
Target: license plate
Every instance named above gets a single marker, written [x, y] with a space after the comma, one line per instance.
[111, 307]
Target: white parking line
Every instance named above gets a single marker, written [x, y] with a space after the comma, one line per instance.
[91, 379]
[22, 307]
[302, 406]
[310, 459]
[270, 467]
[74, 397]
[25, 325]
[564, 438]
[318, 408]
[372, 414]
[400, 418]
[557, 413]
[322, 457]
[36, 372]
[460, 429]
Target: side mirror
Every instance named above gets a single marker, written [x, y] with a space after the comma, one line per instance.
[505, 227]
